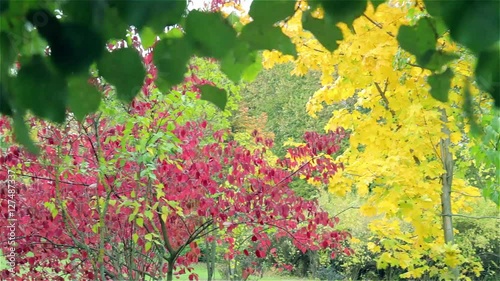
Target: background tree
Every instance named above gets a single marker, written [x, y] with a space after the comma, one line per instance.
[394, 106]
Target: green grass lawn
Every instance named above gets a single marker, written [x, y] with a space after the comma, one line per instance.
[201, 270]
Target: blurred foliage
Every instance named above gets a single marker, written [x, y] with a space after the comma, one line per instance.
[283, 98]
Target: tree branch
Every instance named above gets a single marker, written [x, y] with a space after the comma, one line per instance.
[352, 207]
[378, 25]
[472, 217]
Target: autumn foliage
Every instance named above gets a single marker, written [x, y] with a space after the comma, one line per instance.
[127, 193]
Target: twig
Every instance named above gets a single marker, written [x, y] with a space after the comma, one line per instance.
[472, 217]
[378, 25]
[464, 194]
[352, 207]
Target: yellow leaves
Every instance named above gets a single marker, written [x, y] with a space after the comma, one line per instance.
[478, 267]
[373, 248]
[404, 259]
[355, 240]
[339, 184]
[318, 13]
[312, 107]
[270, 58]
[368, 211]
[395, 131]
[385, 260]
[415, 273]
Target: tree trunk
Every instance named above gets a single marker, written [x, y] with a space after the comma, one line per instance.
[447, 179]
[210, 246]
[170, 270]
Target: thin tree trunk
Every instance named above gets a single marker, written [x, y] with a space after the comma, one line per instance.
[210, 259]
[447, 179]
[170, 270]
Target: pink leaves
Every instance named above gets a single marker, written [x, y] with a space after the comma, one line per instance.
[205, 183]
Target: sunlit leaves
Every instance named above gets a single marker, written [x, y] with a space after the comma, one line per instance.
[123, 68]
[148, 37]
[214, 95]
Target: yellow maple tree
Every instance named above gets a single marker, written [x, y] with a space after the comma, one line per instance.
[402, 140]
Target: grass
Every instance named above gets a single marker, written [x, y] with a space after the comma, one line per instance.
[201, 270]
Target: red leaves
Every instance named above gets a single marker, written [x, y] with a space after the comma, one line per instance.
[260, 254]
[203, 182]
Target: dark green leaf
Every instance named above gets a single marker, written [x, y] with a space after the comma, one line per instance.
[123, 68]
[469, 112]
[73, 46]
[155, 14]
[327, 34]
[419, 40]
[46, 24]
[7, 53]
[210, 34]
[83, 12]
[440, 85]
[342, 10]
[171, 56]
[475, 24]
[377, 3]
[83, 97]
[267, 38]
[165, 13]
[267, 12]
[36, 46]
[113, 27]
[438, 59]
[4, 6]
[22, 135]
[5, 106]
[237, 61]
[488, 72]
[214, 95]
[41, 89]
